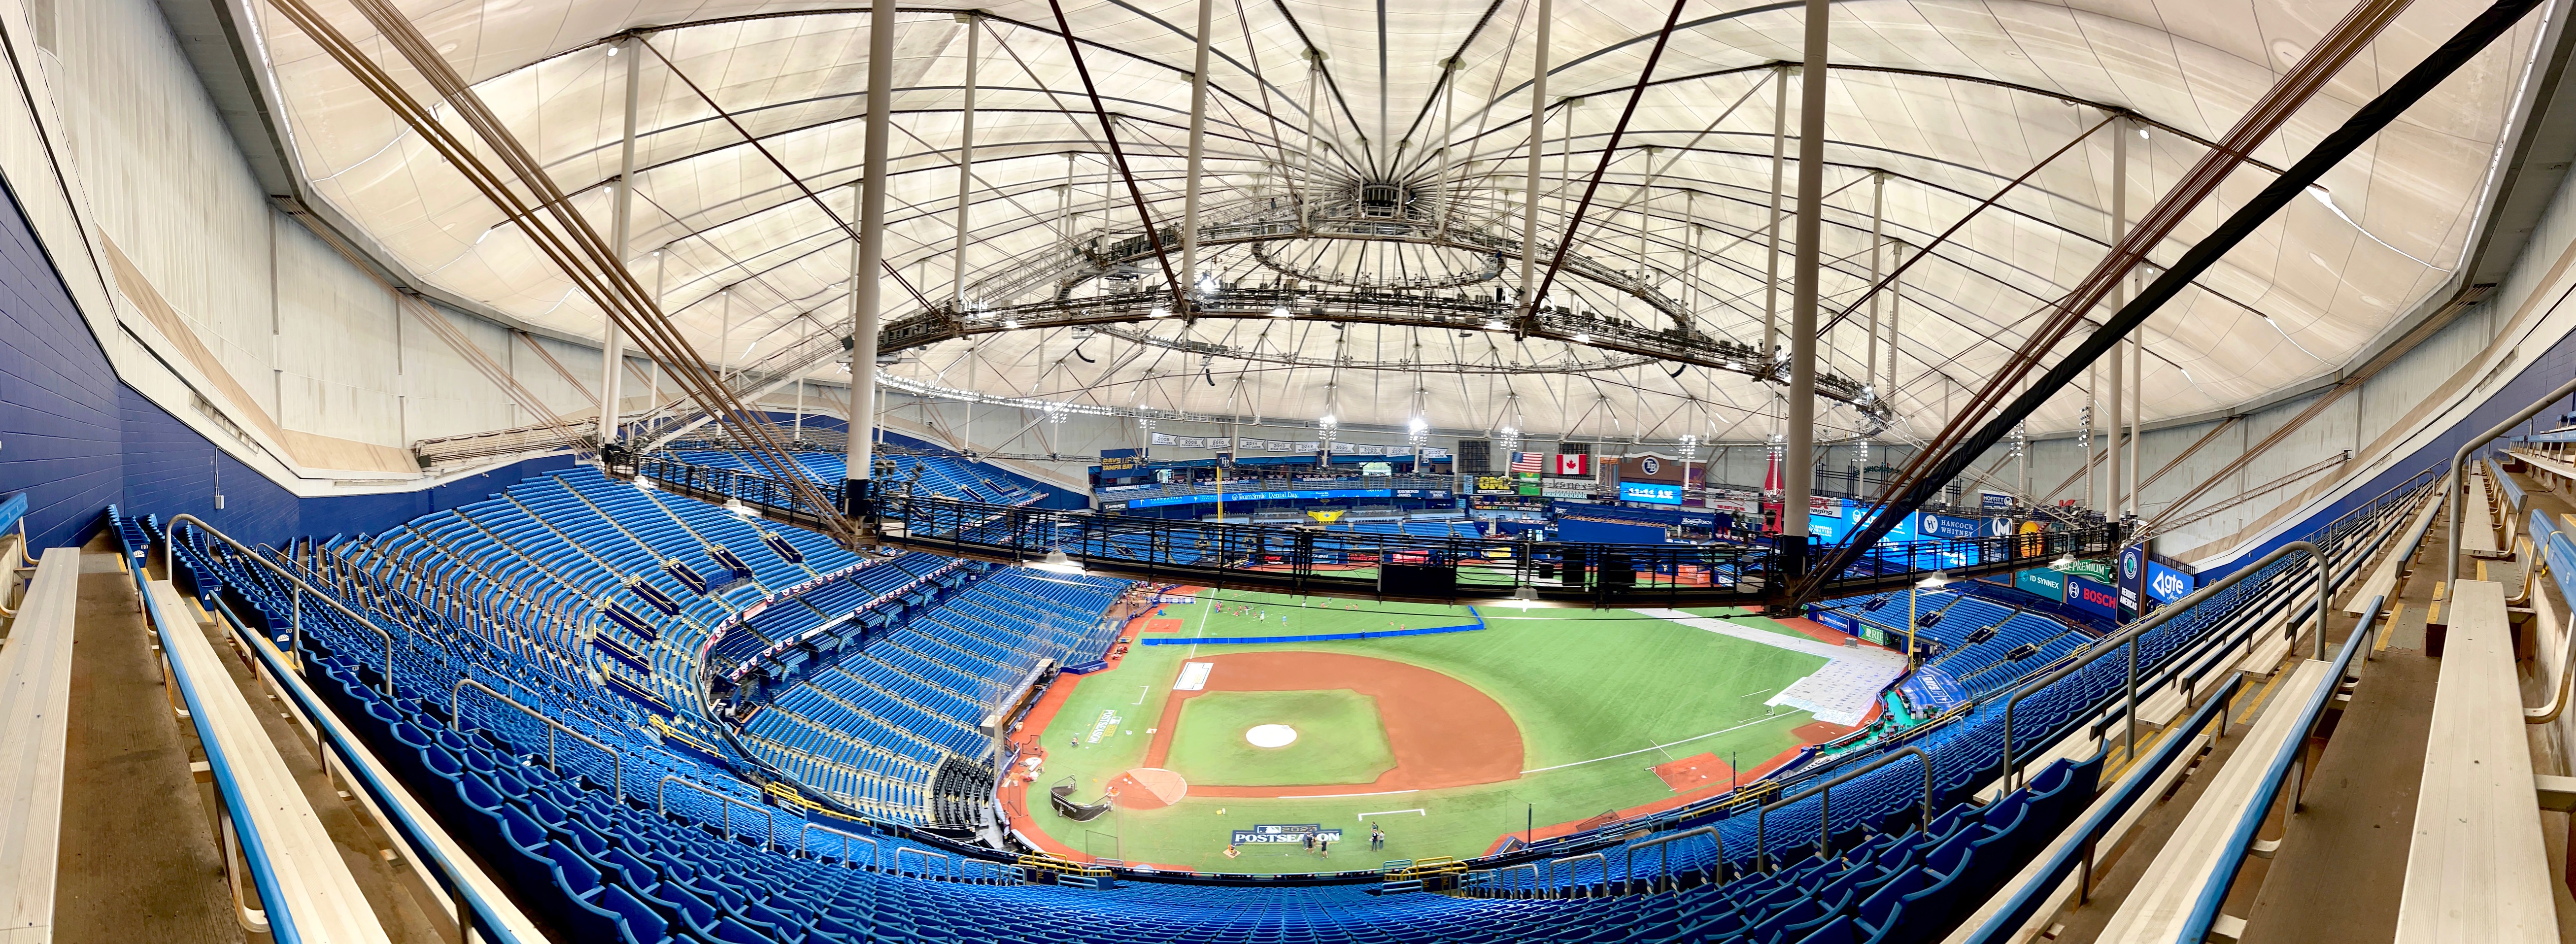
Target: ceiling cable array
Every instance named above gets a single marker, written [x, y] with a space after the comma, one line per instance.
[596, 269]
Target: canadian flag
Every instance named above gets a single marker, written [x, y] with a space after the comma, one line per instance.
[1567, 464]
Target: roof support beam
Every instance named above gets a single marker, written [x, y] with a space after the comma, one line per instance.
[1109, 133]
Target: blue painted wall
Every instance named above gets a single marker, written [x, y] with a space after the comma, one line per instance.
[75, 438]
[58, 397]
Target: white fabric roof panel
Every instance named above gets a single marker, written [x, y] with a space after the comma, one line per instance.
[1950, 101]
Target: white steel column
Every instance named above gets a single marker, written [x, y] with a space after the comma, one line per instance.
[1198, 154]
[1771, 258]
[1895, 312]
[1537, 146]
[2116, 501]
[966, 151]
[1306, 181]
[1448, 118]
[869, 254]
[612, 343]
[1877, 232]
[1646, 219]
[2137, 408]
[1799, 461]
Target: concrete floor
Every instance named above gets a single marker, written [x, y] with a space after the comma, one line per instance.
[139, 861]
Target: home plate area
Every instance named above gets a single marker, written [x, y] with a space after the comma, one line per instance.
[1148, 788]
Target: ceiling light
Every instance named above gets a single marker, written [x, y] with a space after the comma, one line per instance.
[1327, 420]
[1278, 311]
[1159, 312]
[1056, 562]
[1494, 326]
[1938, 580]
[1419, 424]
[1582, 338]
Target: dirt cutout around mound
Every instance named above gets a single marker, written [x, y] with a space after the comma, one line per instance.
[1693, 772]
[1443, 732]
[1148, 788]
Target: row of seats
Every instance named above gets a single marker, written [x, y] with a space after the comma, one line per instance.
[1983, 645]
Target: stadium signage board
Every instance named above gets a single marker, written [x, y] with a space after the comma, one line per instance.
[1652, 493]
[2092, 596]
[2133, 577]
[1949, 526]
[1838, 621]
[1286, 832]
[2167, 585]
[1993, 500]
[2042, 583]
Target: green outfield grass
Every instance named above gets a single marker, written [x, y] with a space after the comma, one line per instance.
[1600, 698]
[1339, 739]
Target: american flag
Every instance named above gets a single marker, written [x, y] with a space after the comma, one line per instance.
[1529, 461]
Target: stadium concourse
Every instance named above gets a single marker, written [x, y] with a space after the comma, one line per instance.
[1045, 471]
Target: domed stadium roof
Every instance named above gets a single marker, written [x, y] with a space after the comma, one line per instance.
[1933, 108]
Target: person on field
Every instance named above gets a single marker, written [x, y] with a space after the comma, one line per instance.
[1310, 842]
[1324, 847]
[1377, 837]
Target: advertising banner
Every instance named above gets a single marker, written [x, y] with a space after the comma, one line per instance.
[1949, 526]
[1652, 493]
[2133, 577]
[2042, 583]
[1650, 469]
[1993, 500]
[1820, 506]
[1837, 621]
[1294, 833]
[2167, 585]
[2092, 596]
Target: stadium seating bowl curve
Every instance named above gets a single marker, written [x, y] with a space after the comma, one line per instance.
[859, 685]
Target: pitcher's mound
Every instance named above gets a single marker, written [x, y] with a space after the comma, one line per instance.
[1149, 788]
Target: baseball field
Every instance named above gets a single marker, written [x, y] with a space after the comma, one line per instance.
[1515, 723]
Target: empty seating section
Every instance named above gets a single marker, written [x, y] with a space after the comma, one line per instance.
[35, 703]
[1986, 664]
[507, 593]
[939, 476]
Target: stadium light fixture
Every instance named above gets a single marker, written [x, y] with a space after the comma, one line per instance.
[1056, 562]
[1160, 311]
[1524, 597]
[1936, 581]
[1279, 311]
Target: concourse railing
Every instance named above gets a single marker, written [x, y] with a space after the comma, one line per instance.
[1309, 560]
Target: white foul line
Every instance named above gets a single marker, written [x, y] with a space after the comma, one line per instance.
[1658, 747]
[1141, 690]
[1389, 813]
[1337, 796]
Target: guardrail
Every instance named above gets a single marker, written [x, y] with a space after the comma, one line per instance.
[2106, 812]
[2451, 553]
[169, 565]
[1825, 808]
[2289, 762]
[2127, 641]
[876, 853]
[456, 721]
[769, 815]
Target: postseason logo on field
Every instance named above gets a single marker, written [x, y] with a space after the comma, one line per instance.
[1288, 832]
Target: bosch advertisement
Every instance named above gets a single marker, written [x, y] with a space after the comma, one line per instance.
[2092, 596]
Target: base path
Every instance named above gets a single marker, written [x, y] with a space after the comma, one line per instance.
[1843, 692]
[1148, 788]
[1443, 732]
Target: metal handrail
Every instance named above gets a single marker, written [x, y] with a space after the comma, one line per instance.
[456, 718]
[358, 762]
[2288, 761]
[1825, 809]
[2138, 629]
[1663, 845]
[2451, 485]
[662, 792]
[876, 853]
[1573, 874]
[926, 854]
[169, 565]
[2040, 890]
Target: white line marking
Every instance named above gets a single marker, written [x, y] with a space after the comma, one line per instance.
[1390, 813]
[1337, 796]
[1140, 693]
[1657, 747]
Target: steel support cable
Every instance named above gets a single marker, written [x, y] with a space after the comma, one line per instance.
[1925, 251]
[2364, 124]
[2358, 27]
[1609, 152]
[1109, 132]
[605, 280]
[753, 140]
